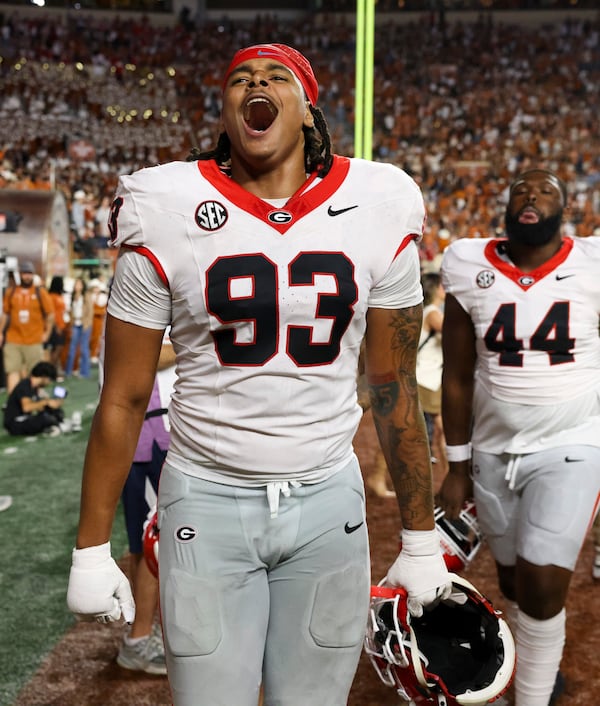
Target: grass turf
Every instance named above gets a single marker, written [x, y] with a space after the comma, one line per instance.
[43, 475]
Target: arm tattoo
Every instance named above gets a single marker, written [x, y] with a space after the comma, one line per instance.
[384, 396]
[406, 324]
[408, 461]
[398, 419]
[385, 390]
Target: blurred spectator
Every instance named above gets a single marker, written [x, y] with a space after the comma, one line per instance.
[81, 319]
[429, 364]
[25, 325]
[55, 343]
[78, 216]
[102, 233]
[29, 408]
[99, 295]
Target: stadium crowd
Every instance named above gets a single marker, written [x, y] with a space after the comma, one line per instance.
[463, 107]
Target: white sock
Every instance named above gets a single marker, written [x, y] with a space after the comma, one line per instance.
[539, 650]
[131, 641]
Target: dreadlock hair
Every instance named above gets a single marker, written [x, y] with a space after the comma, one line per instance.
[317, 147]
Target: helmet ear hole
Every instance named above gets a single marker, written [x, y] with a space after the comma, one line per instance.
[456, 654]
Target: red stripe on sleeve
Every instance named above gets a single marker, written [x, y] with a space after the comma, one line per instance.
[408, 239]
[153, 259]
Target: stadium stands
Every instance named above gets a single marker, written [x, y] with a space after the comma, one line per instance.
[462, 106]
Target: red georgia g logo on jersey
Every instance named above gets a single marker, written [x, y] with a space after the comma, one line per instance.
[211, 215]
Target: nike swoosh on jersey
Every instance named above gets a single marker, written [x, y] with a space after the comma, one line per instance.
[568, 459]
[336, 212]
[559, 277]
[348, 528]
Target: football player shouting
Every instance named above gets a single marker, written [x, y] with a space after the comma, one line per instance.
[271, 259]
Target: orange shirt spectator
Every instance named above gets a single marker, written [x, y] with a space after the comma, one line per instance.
[55, 344]
[58, 300]
[100, 300]
[28, 314]
[25, 325]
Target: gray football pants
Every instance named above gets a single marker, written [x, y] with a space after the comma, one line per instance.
[247, 598]
[546, 515]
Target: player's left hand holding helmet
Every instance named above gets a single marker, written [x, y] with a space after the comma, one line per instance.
[421, 570]
[456, 654]
[98, 590]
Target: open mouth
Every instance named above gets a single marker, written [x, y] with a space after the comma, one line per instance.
[529, 215]
[259, 114]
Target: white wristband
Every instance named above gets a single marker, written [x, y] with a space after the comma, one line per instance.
[420, 542]
[458, 452]
[90, 557]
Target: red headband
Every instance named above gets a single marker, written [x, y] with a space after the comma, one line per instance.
[298, 64]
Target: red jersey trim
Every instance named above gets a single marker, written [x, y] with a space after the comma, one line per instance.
[526, 279]
[153, 259]
[407, 239]
[299, 205]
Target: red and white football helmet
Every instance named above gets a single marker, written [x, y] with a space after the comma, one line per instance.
[461, 539]
[454, 655]
[150, 543]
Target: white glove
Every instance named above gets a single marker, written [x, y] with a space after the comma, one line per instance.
[421, 570]
[98, 589]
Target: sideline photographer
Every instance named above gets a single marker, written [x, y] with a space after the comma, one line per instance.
[30, 409]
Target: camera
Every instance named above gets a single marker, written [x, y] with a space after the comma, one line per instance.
[60, 392]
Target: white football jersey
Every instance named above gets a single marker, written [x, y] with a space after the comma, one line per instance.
[267, 306]
[538, 352]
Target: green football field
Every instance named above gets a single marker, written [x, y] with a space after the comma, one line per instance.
[37, 533]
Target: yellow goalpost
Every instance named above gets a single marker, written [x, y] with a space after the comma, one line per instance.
[363, 98]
